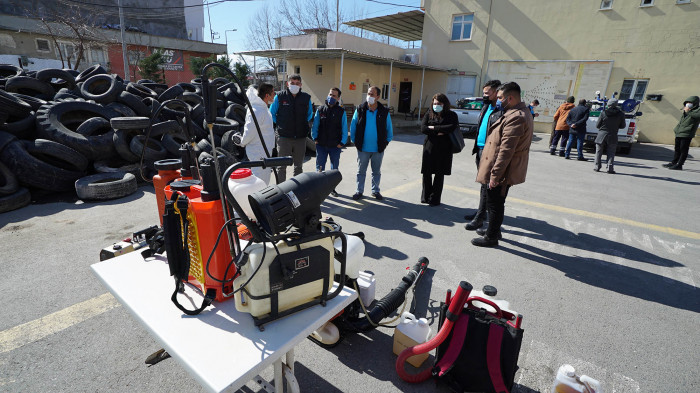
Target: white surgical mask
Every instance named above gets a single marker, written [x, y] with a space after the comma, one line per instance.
[294, 89]
[437, 108]
[371, 100]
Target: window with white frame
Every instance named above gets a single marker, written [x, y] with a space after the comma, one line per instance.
[67, 49]
[606, 4]
[97, 55]
[43, 45]
[462, 27]
[647, 3]
[633, 88]
[385, 91]
[282, 67]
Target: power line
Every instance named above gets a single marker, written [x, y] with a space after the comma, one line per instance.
[398, 5]
[152, 8]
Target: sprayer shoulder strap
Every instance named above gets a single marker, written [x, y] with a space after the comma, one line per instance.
[208, 298]
[459, 333]
[493, 352]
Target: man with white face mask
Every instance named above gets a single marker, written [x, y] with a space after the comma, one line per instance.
[330, 132]
[371, 132]
[250, 139]
[292, 110]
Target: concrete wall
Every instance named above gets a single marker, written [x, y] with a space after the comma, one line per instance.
[363, 45]
[659, 43]
[194, 20]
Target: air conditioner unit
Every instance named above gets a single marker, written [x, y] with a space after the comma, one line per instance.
[410, 58]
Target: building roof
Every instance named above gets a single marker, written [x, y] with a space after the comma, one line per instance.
[407, 26]
[335, 53]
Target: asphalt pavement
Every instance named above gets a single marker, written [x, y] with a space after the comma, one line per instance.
[604, 268]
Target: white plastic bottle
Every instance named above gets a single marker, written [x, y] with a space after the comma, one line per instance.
[568, 382]
[410, 332]
[243, 183]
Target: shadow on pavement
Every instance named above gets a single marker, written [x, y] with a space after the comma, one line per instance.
[596, 272]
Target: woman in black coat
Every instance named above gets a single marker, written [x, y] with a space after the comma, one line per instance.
[438, 122]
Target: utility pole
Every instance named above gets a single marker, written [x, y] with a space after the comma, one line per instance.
[124, 55]
[337, 14]
[211, 32]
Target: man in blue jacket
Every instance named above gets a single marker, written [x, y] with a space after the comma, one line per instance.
[577, 119]
[371, 132]
[292, 111]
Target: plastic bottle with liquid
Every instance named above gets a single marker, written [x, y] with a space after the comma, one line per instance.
[411, 332]
[568, 382]
[243, 183]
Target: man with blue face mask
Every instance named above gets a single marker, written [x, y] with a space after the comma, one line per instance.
[371, 132]
[330, 132]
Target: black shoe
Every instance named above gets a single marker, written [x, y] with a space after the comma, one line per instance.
[334, 193]
[612, 172]
[470, 217]
[597, 169]
[582, 159]
[567, 157]
[669, 164]
[434, 203]
[474, 224]
[357, 196]
[561, 154]
[485, 242]
[378, 196]
[676, 167]
[553, 152]
[482, 232]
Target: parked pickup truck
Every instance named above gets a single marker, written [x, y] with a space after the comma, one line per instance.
[626, 137]
[468, 110]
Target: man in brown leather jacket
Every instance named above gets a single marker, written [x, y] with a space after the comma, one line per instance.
[504, 159]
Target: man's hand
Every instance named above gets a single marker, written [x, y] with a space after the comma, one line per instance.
[492, 183]
[573, 126]
[316, 142]
[339, 146]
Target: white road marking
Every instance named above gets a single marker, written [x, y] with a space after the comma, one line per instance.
[37, 329]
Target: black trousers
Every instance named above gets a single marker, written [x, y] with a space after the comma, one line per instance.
[432, 188]
[496, 204]
[681, 150]
[481, 211]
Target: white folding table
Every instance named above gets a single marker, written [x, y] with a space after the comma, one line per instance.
[221, 347]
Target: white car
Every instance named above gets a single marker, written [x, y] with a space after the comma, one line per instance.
[468, 110]
[626, 137]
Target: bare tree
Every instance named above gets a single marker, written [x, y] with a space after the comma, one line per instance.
[66, 22]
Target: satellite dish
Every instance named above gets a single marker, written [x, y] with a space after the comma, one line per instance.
[629, 104]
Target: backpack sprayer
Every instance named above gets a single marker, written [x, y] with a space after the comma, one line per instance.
[283, 259]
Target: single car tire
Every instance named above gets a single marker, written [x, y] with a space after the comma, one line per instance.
[23, 128]
[165, 127]
[106, 186]
[8, 181]
[171, 93]
[13, 105]
[34, 172]
[236, 112]
[89, 72]
[140, 90]
[30, 86]
[205, 146]
[122, 142]
[34, 102]
[102, 88]
[49, 74]
[135, 103]
[172, 143]
[94, 126]
[124, 110]
[151, 149]
[16, 200]
[56, 154]
[8, 71]
[50, 125]
[192, 99]
[223, 125]
[130, 123]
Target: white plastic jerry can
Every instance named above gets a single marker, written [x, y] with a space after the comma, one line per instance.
[567, 381]
[411, 332]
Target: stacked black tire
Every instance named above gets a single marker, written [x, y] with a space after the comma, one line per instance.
[61, 130]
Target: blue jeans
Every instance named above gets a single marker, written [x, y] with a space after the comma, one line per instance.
[579, 137]
[363, 159]
[322, 154]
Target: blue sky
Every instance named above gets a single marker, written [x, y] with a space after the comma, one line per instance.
[235, 15]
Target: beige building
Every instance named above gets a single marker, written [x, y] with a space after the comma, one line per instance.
[652, 45]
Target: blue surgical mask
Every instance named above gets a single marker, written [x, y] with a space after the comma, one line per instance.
[331, 101]
[437, 108]
[499, 105]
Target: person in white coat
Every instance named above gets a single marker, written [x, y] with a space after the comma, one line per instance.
[259, 99]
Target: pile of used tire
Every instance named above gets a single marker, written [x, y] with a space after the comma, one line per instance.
[61, 130]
